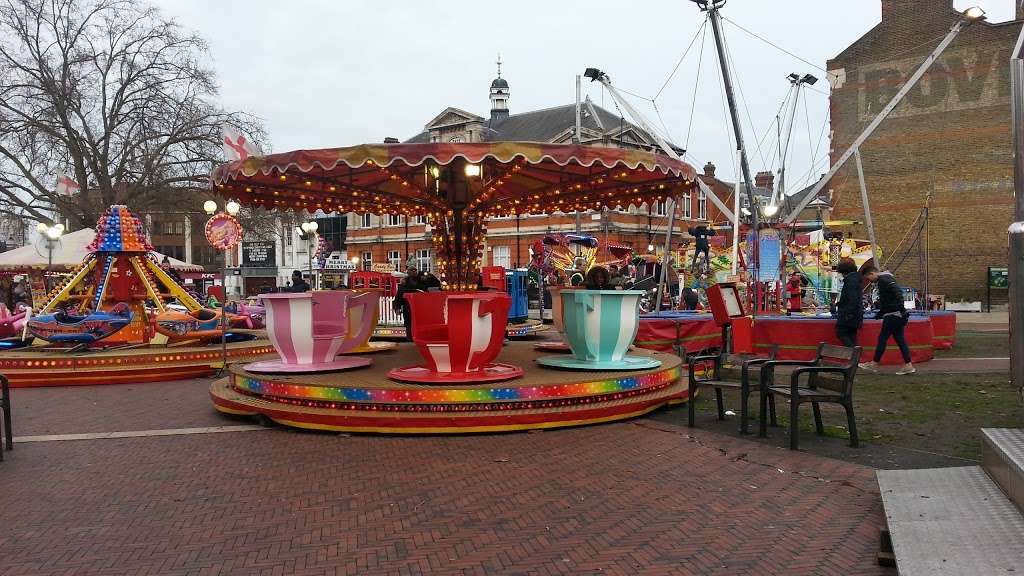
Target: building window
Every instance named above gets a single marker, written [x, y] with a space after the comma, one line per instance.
[366, 221]
[394, 220]
[661, 208]
[419, 220]
[367, 261]
[395, 259]
[501, 256]
[702, 205]
[687, 213]
[424, 260]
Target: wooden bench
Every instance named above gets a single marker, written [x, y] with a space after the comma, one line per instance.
[829, 379]
[5, 413]
[715, 376]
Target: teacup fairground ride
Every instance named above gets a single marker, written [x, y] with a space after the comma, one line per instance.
[456, 187]
[600, 326]
[309, 330]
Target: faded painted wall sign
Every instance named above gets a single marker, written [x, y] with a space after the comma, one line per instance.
[962, 79]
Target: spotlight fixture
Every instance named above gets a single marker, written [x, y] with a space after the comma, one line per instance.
[974, 13]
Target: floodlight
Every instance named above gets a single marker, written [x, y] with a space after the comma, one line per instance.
[472, 170]
[809, 79]
[793, 77]
[593, 74]
[974, 13]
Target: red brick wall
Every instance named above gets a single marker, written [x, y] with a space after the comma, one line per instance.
[949, 138]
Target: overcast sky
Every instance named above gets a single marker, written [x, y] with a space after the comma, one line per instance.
[325, 73]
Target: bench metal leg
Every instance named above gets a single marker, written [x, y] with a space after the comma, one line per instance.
[818, 426]
[691, 399]
[8, 427]
[744, 410]
[721, 403]
[771, 409]
[763, 414]
[794, 424]
[851, 423]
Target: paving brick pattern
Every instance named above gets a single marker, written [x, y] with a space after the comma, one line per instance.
[638, 497]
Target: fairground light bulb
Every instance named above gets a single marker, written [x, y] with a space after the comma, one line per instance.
[232, 207]
[210, 207]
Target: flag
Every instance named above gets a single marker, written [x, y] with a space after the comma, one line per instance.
[237, 146]
[66, 186]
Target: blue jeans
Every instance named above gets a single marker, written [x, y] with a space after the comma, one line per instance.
[892, 326]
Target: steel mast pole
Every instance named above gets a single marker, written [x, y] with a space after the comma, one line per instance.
[1016, 230]
[712, 8]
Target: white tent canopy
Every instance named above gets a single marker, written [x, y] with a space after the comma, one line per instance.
[67, 255]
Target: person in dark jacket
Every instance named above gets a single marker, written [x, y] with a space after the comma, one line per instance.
[411, 283]
[703, 245]
[894, 317]
[849, 312]
[690, 299]
[299, 284]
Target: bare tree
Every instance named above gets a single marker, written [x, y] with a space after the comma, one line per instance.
[112, 94]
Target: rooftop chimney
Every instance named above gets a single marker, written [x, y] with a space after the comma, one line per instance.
[709, 170]
[391, 140]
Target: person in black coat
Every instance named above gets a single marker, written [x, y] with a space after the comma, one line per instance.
[703, 245]
[894, 317]
[411, 283]
[849, 310]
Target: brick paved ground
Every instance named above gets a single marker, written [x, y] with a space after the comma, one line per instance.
[640, 497]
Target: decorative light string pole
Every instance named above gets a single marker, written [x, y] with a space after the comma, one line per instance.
[307, 232]
[51, 234]
[223, 232]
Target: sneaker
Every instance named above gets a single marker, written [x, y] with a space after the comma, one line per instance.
[907, 369]
[869, 366]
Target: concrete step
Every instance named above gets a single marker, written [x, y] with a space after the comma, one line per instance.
[951, 521]
[1002, 456]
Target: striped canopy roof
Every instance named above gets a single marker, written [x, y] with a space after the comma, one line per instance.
[414, 179]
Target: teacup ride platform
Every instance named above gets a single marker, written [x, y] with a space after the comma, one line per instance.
[366, 400]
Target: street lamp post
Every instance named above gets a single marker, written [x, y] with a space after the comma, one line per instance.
[307, 231]
[52, 235]
[231, 208]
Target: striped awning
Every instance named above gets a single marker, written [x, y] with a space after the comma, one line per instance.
[426, 179]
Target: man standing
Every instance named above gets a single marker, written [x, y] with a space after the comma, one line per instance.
[299, 284]
[849, 311]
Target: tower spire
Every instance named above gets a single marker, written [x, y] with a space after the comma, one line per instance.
[499, 64]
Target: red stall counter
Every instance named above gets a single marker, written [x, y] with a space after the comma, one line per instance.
[692, 331]
[798, 337]
[943, 327]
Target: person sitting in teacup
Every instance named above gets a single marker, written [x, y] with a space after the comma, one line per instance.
[598, 278]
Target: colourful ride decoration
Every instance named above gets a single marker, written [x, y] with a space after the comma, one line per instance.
[459, 335]
[13, 325]
[62, 327]
[600, 326]
[201, 324]
[105, 298]
[309, 330]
